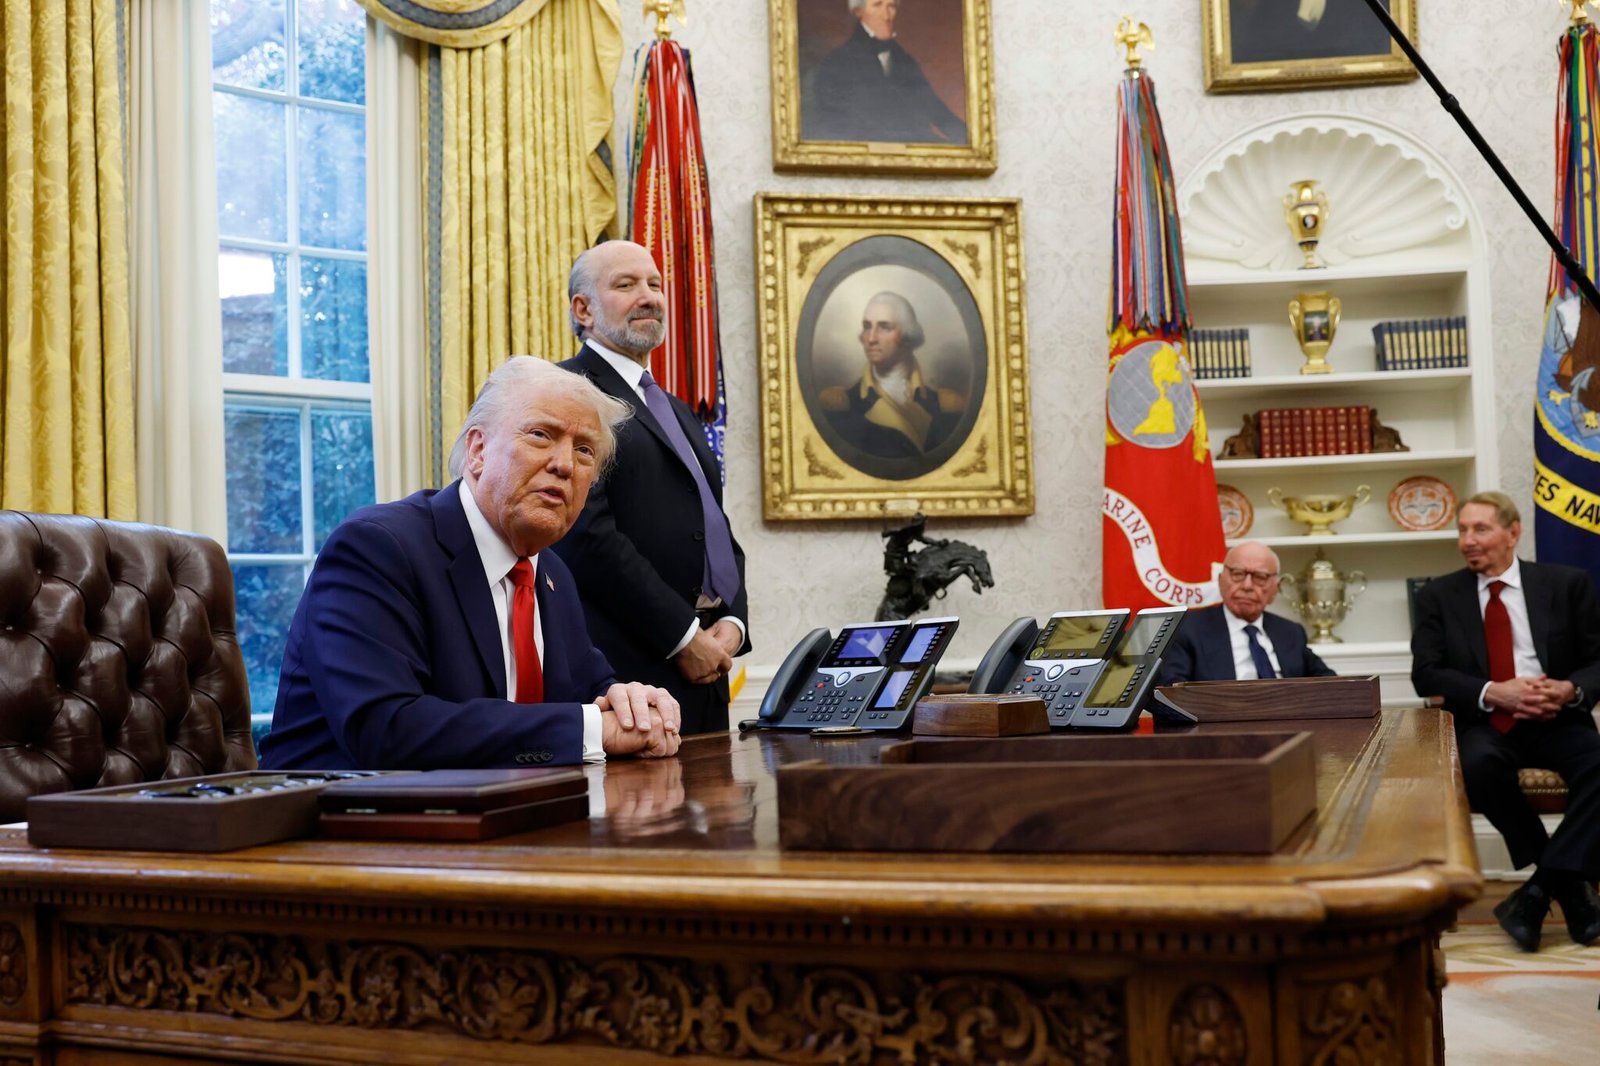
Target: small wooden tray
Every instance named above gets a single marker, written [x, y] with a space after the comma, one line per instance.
[219, 812]
[981, 716]
[1241, 792]
[1275, 699]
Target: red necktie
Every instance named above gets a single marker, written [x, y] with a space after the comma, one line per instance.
[1502, 660]
[530, 676]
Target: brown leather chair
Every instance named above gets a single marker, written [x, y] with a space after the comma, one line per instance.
[118, 658]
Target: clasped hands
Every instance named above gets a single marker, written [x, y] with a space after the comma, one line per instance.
[639, 720]
[1530, 698]
[709, 655]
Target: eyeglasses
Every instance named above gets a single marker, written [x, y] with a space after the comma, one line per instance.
[1261, 577]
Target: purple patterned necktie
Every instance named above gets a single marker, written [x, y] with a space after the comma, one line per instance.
[721, 570]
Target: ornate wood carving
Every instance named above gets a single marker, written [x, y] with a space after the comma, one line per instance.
[13, 965]
[799, 1014]
[1206, 1029]
[1350, 1021]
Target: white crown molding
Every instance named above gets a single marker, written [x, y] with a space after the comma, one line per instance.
[1389, 195]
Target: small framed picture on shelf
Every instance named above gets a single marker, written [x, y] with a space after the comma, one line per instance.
[1263, 45]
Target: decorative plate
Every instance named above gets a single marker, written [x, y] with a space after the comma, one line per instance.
[1237, 514]
[1422, 503]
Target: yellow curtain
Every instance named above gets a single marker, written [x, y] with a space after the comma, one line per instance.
[516, 181]
[66, 368]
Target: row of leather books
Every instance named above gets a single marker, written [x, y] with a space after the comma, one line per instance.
[1219, 353]
[1421, 343]
[1286, 431]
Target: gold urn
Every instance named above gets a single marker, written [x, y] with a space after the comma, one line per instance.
[1322, 595]
[1315, 319]
[1305, 209]
[1320, 511]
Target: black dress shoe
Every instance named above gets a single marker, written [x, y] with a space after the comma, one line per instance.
[1580, 905]
[1521, 915]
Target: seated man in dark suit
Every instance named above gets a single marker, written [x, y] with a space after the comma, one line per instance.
[1514, 649]
[1237, 639]
[437, 632]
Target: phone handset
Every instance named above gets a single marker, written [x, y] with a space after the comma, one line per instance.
[797, 669]
[1007, 652]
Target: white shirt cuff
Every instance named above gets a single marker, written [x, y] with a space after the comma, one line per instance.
[593, 749]
[1483, 697]
[694, 627]
[737, 625]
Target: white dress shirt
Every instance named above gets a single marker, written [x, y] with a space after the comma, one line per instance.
[1524, 658]
[498, 559]
[1244, 664]
[632, 372]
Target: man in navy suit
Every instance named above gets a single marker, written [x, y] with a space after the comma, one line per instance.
[1237, 639]
[1514, 649]
[419, 621]
[659, 571]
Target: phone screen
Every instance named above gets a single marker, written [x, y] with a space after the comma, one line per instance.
[893, 688]
[1075, 637]
[866, 644]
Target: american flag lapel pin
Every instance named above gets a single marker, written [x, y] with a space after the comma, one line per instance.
[549, 583]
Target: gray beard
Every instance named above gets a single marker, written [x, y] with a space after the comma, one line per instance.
[635, 339]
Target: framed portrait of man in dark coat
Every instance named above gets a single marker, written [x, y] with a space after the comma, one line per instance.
[1302, 44]
[898, 85]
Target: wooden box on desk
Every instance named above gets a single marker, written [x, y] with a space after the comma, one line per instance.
[1003, 715]
[1275, 699]
[1240, 792]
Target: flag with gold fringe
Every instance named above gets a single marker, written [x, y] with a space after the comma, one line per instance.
[1162, 540]
[669, 212]
[1566, 424]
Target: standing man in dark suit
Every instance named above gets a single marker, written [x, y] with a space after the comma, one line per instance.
[661, 577]
[870, 89]
[1514, 649]
[436, 632]
[1237, 639]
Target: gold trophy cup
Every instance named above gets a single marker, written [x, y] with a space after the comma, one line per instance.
[1322, 595]
[1305, 208]
[1320, 511]
[1315, 318]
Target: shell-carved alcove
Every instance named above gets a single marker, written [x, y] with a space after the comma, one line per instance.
[1387, 193]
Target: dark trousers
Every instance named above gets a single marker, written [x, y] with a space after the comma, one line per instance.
[1569, 745]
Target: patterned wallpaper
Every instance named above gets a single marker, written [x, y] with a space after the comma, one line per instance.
[1056, 70]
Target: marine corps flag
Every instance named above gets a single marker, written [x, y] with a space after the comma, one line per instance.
[1566, 429]
[1161, 535]
[669, 210]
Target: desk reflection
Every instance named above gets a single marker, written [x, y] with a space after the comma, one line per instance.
[666, 801]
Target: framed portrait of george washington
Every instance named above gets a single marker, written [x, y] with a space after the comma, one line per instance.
[894, 362]
[901, 86]
[1253, 45]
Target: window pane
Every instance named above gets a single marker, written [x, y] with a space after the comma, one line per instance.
[266, 597]
[341, 466]
[255, 312]
[263, 447]
[247, 43]
[333, 179]
[333, 319]
[251, 174]
[333, 50]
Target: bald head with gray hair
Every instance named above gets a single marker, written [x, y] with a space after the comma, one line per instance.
[512, 387]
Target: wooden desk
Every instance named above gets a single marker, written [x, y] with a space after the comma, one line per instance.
[674, 925]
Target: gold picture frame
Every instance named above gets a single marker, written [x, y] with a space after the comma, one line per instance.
[1257, 45]
[945, 277]
[831, 113]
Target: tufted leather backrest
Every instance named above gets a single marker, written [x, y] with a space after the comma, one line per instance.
[118, 658]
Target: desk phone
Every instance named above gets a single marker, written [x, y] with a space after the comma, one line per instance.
[1059, 663]
[870, 676]
[1124, 685]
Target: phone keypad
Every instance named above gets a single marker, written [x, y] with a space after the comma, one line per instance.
[1060, 696]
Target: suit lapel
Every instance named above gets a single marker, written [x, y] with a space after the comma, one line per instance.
[557, 652]
[610, 382]
[468, 582]
[1221, 644]
[1538, 595]
[1464, 599]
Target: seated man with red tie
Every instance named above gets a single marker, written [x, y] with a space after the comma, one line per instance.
[437, 632]
[1237, 640]
[1514, 649]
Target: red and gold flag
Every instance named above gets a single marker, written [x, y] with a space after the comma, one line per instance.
[1162, 540]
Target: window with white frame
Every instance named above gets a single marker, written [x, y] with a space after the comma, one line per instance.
[289, 95]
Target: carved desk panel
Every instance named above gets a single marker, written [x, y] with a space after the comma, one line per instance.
[671, 924]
